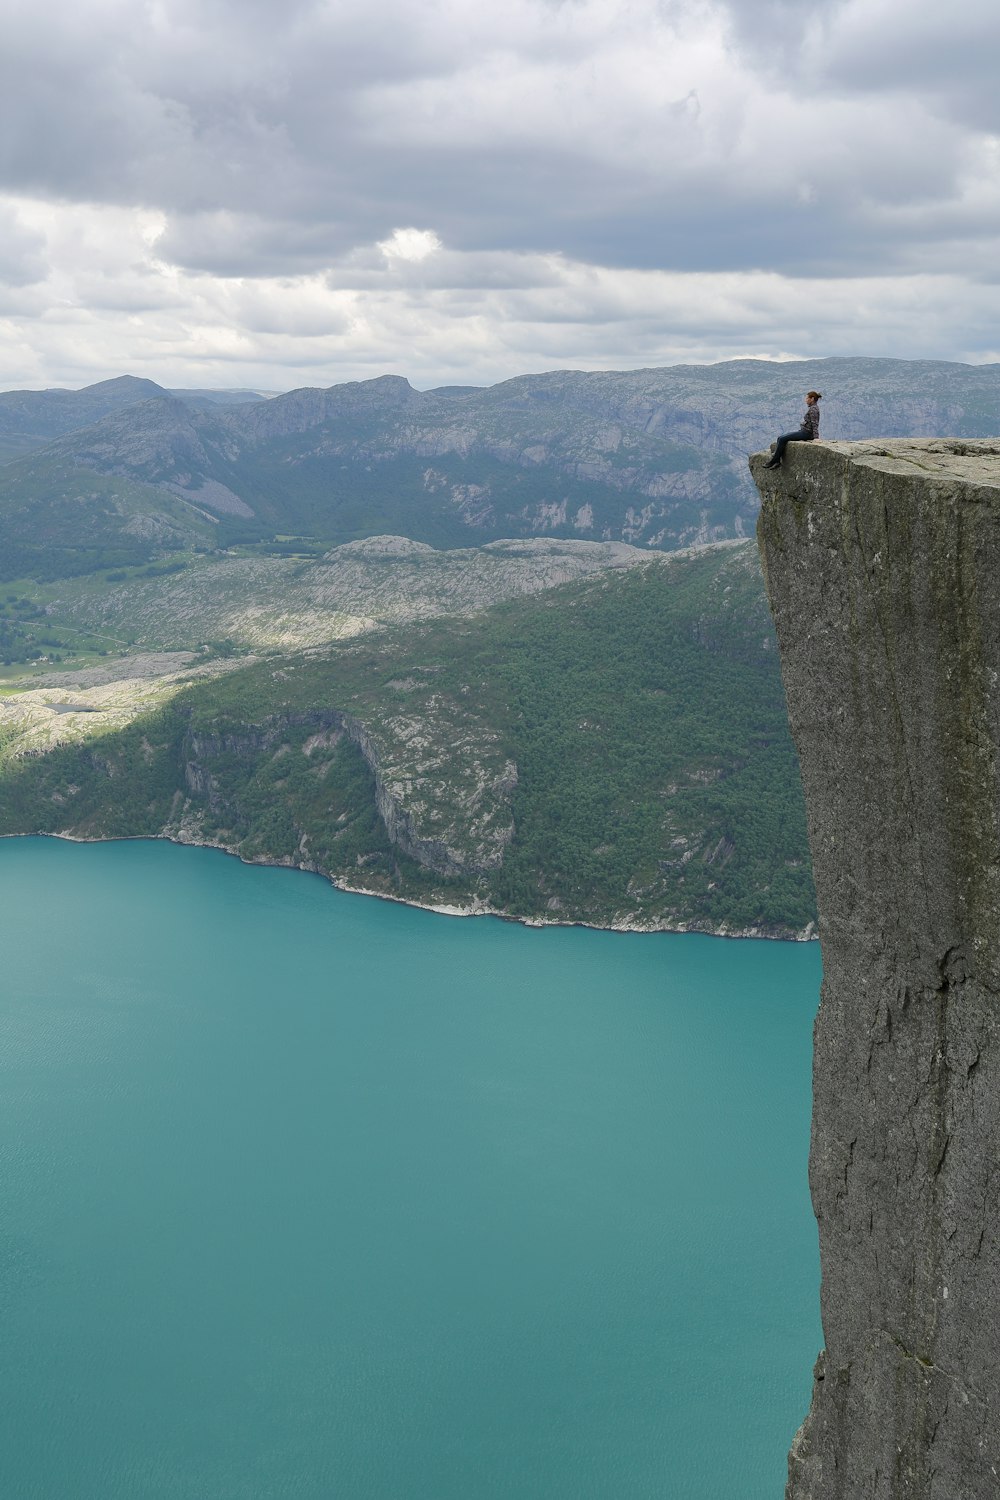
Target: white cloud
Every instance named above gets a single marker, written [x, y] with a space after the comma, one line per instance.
[410, 245]
[110, 303]
[465, 189]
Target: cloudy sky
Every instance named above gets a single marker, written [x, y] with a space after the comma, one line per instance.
[254, 194]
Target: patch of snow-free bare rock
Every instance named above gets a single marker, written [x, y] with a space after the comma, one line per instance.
[379, 546]
[284, 604]
[73, 706]
[443, 784]
[218, 497]
[593, 554]
[115, 669]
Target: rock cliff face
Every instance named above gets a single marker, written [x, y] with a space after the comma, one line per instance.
[465, 834]
[882, 563]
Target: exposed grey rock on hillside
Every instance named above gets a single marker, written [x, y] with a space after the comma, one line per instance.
[160, 441]
[882, 563]
[275, 602]
[444, 798]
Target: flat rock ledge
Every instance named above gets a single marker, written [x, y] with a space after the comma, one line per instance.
[882, 564]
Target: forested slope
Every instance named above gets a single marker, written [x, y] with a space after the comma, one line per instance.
[612, 751]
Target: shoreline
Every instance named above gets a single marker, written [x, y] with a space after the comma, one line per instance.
[475, 908]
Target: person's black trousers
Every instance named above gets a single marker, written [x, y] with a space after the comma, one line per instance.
[802, 435]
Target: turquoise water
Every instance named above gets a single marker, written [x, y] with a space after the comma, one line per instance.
[309, 1195]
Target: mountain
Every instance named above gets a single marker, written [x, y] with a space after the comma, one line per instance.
[30, 419]
[613, 750]
[59, 518]
[654, 458]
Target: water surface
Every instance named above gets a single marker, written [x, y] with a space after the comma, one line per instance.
[310, 1195]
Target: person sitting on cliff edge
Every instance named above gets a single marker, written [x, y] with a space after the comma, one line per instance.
[806, 433]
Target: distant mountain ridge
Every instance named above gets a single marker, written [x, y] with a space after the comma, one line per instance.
[30, 419]
[655, 458]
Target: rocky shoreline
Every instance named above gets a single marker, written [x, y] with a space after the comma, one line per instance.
[473, 908]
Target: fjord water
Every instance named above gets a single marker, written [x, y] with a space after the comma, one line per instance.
[310, 1195]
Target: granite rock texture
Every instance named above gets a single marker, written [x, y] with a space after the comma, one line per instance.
[882, 563]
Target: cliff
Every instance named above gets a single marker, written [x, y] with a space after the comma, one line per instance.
[882, 564]
[471, 829]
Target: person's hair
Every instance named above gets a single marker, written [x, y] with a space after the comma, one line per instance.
[813, 396]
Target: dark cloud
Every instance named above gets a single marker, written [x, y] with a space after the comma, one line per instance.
[278, 139]
[945, 55]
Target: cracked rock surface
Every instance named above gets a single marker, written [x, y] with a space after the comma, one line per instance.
[882, 563]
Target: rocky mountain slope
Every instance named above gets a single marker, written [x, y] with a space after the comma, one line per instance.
[30, 419]
[267, 603]
[654, 458]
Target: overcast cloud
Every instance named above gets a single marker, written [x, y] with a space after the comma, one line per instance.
[234, 192]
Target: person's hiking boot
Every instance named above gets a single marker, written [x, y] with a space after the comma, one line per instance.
[775, 463]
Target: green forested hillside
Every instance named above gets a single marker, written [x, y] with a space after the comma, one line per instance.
[59, 521]
[612, 751]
